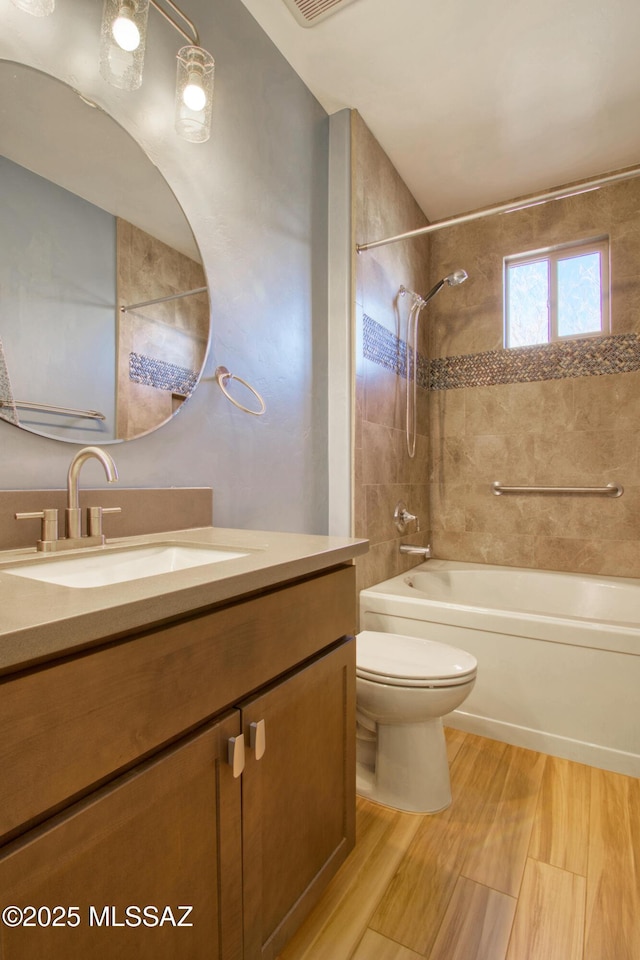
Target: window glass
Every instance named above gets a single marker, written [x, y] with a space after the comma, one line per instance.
[528, 286]
[557, 293]
[579, 296]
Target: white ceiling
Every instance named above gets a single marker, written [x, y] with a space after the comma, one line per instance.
[477, 101]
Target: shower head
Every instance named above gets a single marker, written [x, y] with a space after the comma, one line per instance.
[458, 276]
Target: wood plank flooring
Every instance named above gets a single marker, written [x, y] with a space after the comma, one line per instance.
[537, 858]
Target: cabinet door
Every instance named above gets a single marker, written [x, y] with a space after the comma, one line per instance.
[298, 799]
[166, 835]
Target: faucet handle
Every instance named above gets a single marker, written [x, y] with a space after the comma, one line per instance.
[401, 517]
[49, 526]
[94, 519]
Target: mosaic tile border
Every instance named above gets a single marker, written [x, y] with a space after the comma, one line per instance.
[549, 361]
[162, 375]
[387, 350]
[593, 357]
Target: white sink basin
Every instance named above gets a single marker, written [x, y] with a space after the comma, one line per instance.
[119, 566]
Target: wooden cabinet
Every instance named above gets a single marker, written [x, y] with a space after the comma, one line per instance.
[160, 837]
[298, 799]
[116, 791]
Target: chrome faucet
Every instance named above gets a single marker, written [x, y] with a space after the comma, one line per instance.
[402, 517]
[49, 530]
[73, 513]
[416, 551]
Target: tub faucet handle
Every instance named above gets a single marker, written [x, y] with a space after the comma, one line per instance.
[402, 517]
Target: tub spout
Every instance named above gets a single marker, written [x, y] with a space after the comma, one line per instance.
[414, 550]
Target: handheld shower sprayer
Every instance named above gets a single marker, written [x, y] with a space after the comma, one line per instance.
[452, 280]
[458, 276]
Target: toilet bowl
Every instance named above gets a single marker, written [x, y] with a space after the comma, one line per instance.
[404, 686]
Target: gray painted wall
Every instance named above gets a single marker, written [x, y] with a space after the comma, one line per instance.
[58, 301]
[256, 197]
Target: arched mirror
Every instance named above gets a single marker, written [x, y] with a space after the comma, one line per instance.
[104, 311]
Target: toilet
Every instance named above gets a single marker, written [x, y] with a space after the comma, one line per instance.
[404, 686]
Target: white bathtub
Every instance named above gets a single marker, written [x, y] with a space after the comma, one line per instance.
[558, 653]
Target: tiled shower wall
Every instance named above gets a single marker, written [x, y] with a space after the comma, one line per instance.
[161, 347]
[384, 473]
[581, 426]
[565, 414]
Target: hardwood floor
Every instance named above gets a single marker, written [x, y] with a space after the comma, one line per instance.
[537, 858]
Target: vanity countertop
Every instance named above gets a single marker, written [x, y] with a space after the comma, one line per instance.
[42, 621]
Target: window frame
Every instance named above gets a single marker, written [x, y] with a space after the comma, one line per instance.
[552, 255]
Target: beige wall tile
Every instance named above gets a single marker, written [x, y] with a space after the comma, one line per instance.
[384, 207]
[448, 460]
[466, 329]
[508, 457]
[384, 396]
[578, 431]
[625, 307]
[505, 515]
[379, 461]
[540, 407]
[447, 506]
[514, 551]
[585, 458]
[447, 413]
[590, 517]
[615, 558]
[607, 403]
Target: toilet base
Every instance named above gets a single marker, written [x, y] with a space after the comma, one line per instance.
[408, 768]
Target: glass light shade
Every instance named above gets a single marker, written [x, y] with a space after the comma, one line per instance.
[194, 94]
[39, 8]
[122, 42]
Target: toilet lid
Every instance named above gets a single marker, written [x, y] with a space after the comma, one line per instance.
[411, 661]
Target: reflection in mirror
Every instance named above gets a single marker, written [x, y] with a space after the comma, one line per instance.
[104, 312]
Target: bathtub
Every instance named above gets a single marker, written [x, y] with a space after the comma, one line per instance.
[558, 653]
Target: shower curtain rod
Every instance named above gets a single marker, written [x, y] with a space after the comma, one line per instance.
[560, 194]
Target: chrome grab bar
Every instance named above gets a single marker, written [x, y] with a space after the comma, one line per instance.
[611, 489]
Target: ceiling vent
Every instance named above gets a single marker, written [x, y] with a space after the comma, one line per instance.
[310, 12]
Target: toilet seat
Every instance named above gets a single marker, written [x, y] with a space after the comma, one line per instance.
[402, 661]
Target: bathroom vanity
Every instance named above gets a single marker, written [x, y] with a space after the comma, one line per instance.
[131, 823]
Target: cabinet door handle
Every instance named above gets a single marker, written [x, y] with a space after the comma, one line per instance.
[257, 738]
[235, 754]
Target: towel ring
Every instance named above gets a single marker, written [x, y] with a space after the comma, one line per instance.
[222, 375]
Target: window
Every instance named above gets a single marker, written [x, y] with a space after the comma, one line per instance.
[557, 294]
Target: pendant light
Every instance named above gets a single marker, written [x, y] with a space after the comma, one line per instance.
[123, 38]
[194, 93]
